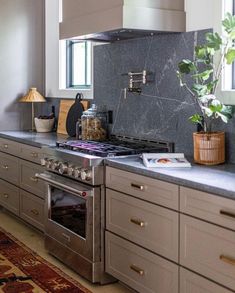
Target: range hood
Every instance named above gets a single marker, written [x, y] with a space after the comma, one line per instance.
[112, 20]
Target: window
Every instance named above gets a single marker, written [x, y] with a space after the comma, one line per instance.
[68, 67]
[233, 67]
[78, 64]
[226, 87]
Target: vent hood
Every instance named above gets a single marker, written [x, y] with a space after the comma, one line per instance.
[111, 20]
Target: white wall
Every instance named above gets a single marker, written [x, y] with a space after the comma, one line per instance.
[21, 59]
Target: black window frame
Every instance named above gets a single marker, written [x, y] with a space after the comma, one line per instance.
[70, 63]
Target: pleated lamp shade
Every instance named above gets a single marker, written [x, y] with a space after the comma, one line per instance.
[33, 96]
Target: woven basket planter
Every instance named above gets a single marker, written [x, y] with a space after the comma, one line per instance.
[209, 148]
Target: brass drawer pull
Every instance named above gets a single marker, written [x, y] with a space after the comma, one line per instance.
[6, 195]
[34, 154]
[228, 259]
[137, 222]
[35, 212]
[137, 186]
[5, 146]
[5, 167]
[67, 237]
[137, 270]
[229, 214]
[34, 179]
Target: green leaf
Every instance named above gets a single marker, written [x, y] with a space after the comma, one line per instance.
[207, 111]
[232, 35]
[196, 118]
[224, 118]
[229, 23]
[200, 90]
[186, 66]
[213, 40]
[230, 55]
[201, 52]
[216, 106]
[205, 75]
[211, 84]
[227, 111]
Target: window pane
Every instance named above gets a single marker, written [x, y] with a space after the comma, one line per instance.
[88, 63]
[79, 63]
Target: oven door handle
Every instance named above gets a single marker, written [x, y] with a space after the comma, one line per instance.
[47, 179]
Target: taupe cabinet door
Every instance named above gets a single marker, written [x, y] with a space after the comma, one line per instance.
[139, 268]
[208, 250]
[148, 189]
[148, 225]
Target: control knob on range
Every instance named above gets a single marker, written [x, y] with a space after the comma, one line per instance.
[55, 165]
[77, 172]
[71, 170]
[86, 174]
[48, 163]
[63, 168]
[44, 161]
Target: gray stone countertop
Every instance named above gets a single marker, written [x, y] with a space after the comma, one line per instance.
[218, 180]
[33, 138]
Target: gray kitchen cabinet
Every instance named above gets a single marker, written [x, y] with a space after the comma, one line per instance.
[32, 209]
[9, 168]
[20, 191]
[142, 187]
[208, 250]
[28, 181]
[10, 197]
[140, 269]
[148, 225]
[193, 283]
[150, 231]
[9, 147]
[189, 234]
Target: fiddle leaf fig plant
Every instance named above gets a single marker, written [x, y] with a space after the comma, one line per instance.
[205, 74]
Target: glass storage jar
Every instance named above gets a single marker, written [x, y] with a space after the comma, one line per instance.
[94, 124]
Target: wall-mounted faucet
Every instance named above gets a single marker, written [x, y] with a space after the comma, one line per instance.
[136, 80]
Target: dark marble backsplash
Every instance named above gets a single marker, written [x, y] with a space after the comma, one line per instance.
[161, 111]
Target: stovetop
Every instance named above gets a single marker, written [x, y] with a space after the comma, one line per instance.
[116, 146]
[84, 160]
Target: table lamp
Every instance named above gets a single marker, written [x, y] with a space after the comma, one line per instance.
[33, 96]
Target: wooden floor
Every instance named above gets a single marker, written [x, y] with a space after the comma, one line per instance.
[34, 240]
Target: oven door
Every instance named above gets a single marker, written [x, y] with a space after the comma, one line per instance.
[73, 215]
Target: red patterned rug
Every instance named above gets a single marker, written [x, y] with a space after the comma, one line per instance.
[24, 271]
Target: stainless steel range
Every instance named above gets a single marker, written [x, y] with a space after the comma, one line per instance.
[75, 199]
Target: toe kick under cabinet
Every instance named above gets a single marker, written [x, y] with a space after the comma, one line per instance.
[20, 191]
[165, 238]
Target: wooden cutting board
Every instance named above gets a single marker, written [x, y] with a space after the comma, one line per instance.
[63, 112]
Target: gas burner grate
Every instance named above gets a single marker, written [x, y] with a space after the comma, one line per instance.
[115, 147]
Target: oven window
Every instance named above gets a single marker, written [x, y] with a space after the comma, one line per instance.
[69, 211]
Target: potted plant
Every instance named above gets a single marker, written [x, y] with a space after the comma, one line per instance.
[200, 78]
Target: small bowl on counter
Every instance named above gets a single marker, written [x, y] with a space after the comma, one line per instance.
[44, 125]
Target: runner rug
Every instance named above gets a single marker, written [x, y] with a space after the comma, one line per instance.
[24, 271]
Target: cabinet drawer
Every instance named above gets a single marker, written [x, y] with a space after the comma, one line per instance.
[208, 250]
[28, 181]
[9, 168]
[149, 225]
[151, 190]
[192, 283]
[9, 146]
[32, 209]
[139, 268]
[209, 207]
[9, 197]
[31, 153]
